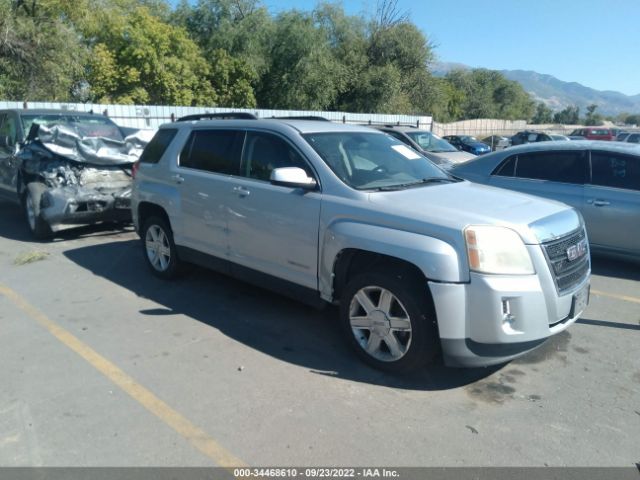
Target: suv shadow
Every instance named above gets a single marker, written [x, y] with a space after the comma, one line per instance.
[270, 323]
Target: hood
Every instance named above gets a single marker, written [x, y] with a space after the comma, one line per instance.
[64, 141]
[454, 157]
[451, 207]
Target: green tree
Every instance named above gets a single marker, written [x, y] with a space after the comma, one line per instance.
[41, 54]
[543, 114]
[140, 59]
[632, 119]
[569, 116]
[302, 72]
[593, 118]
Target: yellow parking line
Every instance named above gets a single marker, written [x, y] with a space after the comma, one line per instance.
[194, 435]
[614, 295]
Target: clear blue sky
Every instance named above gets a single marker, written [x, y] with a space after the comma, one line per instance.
[593, 42]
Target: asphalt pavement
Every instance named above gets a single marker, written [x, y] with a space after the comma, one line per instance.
[102, 364]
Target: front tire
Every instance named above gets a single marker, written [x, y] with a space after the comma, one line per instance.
[159, 249]
[389, 321]
[38, 226]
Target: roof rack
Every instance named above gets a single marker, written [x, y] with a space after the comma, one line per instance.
[303, 117]
[218, 116]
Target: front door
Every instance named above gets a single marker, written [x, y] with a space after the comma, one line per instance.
[274, 229]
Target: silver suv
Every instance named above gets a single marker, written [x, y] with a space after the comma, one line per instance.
[418, 261]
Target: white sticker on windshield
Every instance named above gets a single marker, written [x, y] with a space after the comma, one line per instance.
[406, 152]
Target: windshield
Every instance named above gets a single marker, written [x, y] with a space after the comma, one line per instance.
[84, 126]
[430, 142]
[367, 161]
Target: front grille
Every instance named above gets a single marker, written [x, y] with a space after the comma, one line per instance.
[567, 273]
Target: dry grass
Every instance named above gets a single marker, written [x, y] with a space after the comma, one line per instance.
[30, 257]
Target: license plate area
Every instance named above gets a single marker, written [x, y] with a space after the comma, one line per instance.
[580, 301]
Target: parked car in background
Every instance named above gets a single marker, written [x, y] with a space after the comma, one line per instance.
[593, 133]
[622, 136]
[559, 138]
[600, 179]
[529, 136]
[418, 261]
[66, 168]
[433, 147]
[468, 143]
[497, 142]
[633, 138]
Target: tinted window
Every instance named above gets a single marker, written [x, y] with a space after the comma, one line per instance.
[157, 146]
[263, 152]
[566, 167]
[614, 170]
[8, 130]
[507, 168]
[211, 150]
[634, 138]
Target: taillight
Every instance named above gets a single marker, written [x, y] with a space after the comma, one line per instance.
[134, 169]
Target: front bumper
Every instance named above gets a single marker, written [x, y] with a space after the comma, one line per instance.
[77, 206]
[496, 318]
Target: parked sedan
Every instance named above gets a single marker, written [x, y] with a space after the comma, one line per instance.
[468, 144]
[529, 136]
[600, 179]
[496, 142]
[439, 151]
[633, 138]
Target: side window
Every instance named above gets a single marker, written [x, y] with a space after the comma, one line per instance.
[8, 132]
[212, 150]
[506, 168]
[565, 167]
[263, 152]
[615, 170]
[397, 136]
[634, 138]
[157, 146]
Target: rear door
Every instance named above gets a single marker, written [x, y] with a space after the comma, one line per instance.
[612, 202]
[204, 179]
[557, 175]
[274, 229]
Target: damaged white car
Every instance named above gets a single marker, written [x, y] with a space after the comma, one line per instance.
[66, 168]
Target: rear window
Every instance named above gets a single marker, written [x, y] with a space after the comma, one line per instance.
[212, 151]
[615, 170]
[155, 149]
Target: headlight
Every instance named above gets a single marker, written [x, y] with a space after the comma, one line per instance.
[497, 250]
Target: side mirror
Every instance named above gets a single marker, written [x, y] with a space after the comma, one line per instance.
[292, 177]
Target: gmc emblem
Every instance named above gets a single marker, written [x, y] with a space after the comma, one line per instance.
[576, 251]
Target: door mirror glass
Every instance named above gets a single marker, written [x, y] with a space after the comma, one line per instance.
[293, 177]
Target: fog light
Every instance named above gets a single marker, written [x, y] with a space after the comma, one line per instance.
[507, 316]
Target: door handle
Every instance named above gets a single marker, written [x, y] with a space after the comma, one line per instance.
[177, 178]
[600, 203]
[241, 191]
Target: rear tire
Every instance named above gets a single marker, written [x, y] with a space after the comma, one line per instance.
[389, 320]
[159, 249]
[37, 225]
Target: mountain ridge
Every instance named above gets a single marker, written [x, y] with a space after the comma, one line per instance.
[558, 94]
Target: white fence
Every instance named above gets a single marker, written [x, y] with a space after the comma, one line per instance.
[152, 116]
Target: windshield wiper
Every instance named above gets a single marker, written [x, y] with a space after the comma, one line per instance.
[424, 181]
